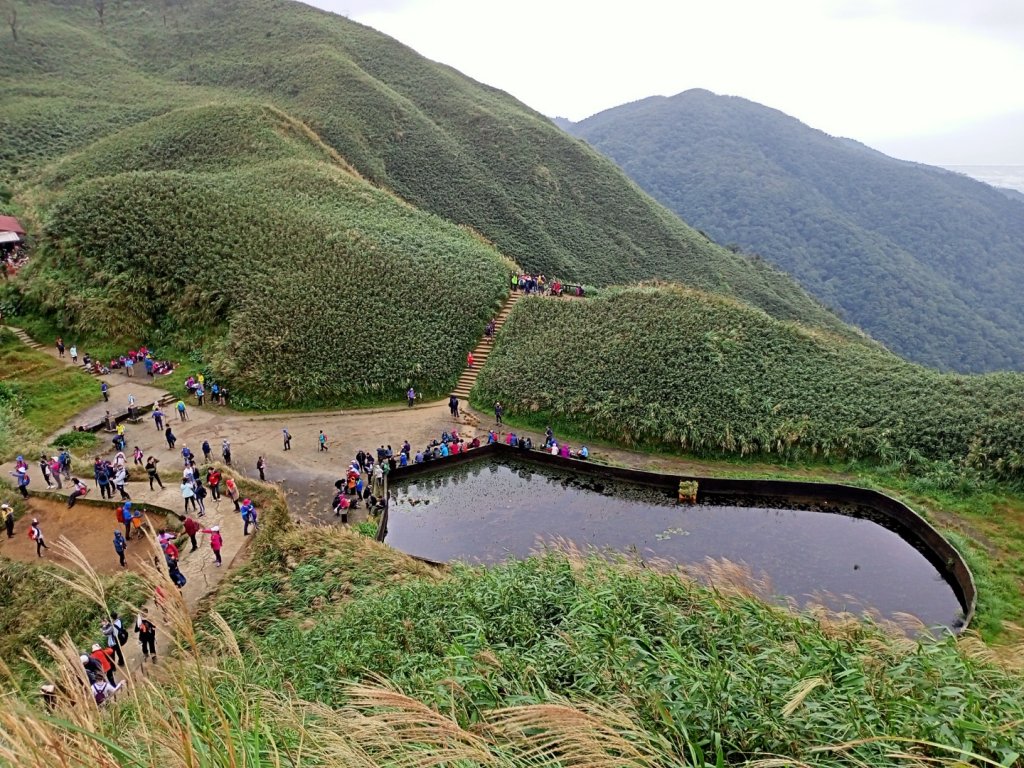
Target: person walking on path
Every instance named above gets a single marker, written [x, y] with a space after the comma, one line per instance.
[287, 439]
[36, 534]
[131, 406]
[225, 451]
[322, 439]
[469, 360]
[105, 390]
[137, 456]
[232, 491]
[105, 656]
[216, 542]
[151, 470]
[8, 512]
[60, 347]
[120, 478]
[499, 411]
[74, 354]
[44, 467]
[120, 546]
[182, 413]
[171, 439]
[112, 629]
[23, 480]
[146, 630]
[191, 528]
[261, 465]
[56, 470]
[189, 495]
[206, 451]
[200, 491]
[411, 394]
[158, 417]
[200, 393]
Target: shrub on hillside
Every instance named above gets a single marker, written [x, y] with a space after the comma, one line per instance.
[679, 369]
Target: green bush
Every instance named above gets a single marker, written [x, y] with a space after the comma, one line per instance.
[678, 369]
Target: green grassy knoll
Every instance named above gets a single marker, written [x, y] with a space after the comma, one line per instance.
[676, 369]
[38, 394]
[441, 141]
[302, 284]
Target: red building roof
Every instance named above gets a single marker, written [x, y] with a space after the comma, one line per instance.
[11, 224]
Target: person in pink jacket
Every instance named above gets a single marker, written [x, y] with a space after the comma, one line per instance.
[216, 541]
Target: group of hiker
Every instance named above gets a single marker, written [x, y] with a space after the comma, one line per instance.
[101, 662]
[539, 284]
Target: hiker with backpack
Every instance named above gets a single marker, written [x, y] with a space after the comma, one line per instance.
[103, 691]
[248, 510]
[113, 629]
[146, 630]
[36, 534]
[23, 480]
[120, 545]
[80, 490]
[105, 657]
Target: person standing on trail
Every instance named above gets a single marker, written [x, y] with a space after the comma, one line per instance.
[232, 491]
[74, 354]
[152, 472]
[200, 491]
[171, 439]
[129, 367]
[189, 495]
[146, 630]
[131, 406]
[158, 416]
[469, 360]
[105, 391]
[8, 513]
[23, 480]
[120, 545]
[248, 511]
[60, 347]
[411, 394]
[137, 456]
[36, 534]
[191, 528]
[499, 411]
[287, 439]
[216, 542]
[213, 480]
[200, 394]
[111, 629]
[44, 467]
[206, 451]
[225, 451]
[56, 470]
[261, 465]
[182, 414]
[322, 439]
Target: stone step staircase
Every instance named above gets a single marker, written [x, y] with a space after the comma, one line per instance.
[483, 349]
[24, 338]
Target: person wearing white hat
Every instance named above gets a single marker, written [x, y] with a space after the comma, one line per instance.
[22, 476]
[216, 541]
[36, 534]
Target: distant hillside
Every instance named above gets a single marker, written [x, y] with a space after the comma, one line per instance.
[927, 261]
[677, 369]
[443, 142]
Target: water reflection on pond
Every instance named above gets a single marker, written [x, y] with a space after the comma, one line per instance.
[487, 510]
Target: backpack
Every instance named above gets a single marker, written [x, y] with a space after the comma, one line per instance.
[145, 627]
[99, 691]
[122, 635]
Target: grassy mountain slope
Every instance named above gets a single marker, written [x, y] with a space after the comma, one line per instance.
[675, 368]
[236, 217]
[443, 142]
[925, 260]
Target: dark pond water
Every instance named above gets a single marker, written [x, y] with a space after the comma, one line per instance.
[844, 558]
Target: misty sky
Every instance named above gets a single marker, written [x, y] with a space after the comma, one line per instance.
[936, 81]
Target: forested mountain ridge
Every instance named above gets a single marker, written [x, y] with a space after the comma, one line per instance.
[928, 261]
[441, 141]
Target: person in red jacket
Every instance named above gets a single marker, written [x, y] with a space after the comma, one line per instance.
[191, 528]
[105, 657]
[216, 541]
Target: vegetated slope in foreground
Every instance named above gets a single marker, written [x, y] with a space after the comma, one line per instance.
[675, 368]
[329, 289]
[445, 143]
[925, 260]
[687, 667]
